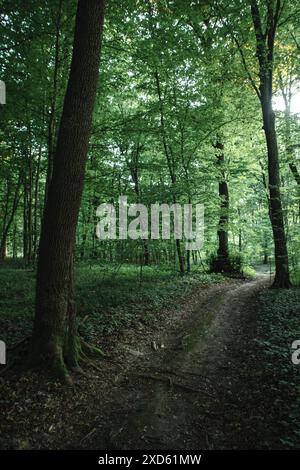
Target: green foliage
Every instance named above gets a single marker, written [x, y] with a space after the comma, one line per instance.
[278, 327]
[16, 303]
[110, 297]
[295, 276]
[235, 264]
[204, 94]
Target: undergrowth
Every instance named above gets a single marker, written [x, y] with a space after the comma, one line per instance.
[109, 297]
[278, 328]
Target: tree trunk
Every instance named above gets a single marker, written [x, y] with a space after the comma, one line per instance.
[180, 256]
[64, 195]
[170, 162]
[188, 261]
[296, 175]
[3, 249]
[265, 250]
[9, 220]
[36, 206]
[223, 263]
[133, 166]
[52, 115]
[14, 242]
[276, 214]
[265, 41]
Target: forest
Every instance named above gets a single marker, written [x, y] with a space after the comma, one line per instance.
[124, 330]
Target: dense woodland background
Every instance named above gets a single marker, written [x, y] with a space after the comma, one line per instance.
[163, 101]
[175, 115]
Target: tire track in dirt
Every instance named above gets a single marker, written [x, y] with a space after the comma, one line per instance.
[199, 391]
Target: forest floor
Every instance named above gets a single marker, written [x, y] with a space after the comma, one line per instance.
[197, 378]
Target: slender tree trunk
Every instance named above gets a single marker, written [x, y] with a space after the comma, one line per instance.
[188, 252]
[3, 222]
[296, 175]
[240, 241]
[223, 251]
[10, 219]
[265, 249]
[188, 261]
[240, 233]
[133, 166]
[29, 206]
[170, 162]
[25, 225]
[14, 242]
[223, 263]
[52, 115]
[36, 206]
[3, 249]
[63, 202]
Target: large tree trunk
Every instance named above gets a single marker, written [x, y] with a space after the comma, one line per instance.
[265, 56]
[64, 196]
[276, 214]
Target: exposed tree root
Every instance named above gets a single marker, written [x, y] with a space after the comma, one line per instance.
[281, 284]
[77, 352]
[173, 384]
[92, 351]
[60, 362]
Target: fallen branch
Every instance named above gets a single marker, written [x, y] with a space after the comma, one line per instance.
[89, 434]
[15, 346]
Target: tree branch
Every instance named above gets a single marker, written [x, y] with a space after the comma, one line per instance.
[252, 81]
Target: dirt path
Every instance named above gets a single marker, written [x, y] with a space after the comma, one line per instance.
[202, 389]
[195, 378]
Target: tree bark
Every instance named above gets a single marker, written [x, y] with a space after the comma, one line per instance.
[223, 262]
[65, 190]
[170, 162]
[276, 214]
[265, 55]
[134, 168]
[9, 220]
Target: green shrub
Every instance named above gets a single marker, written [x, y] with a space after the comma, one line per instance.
[233, 265]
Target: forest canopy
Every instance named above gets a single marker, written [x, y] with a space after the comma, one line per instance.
[149, 229]
[177, 113]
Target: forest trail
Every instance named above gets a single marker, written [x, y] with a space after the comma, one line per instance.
[202, 388]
